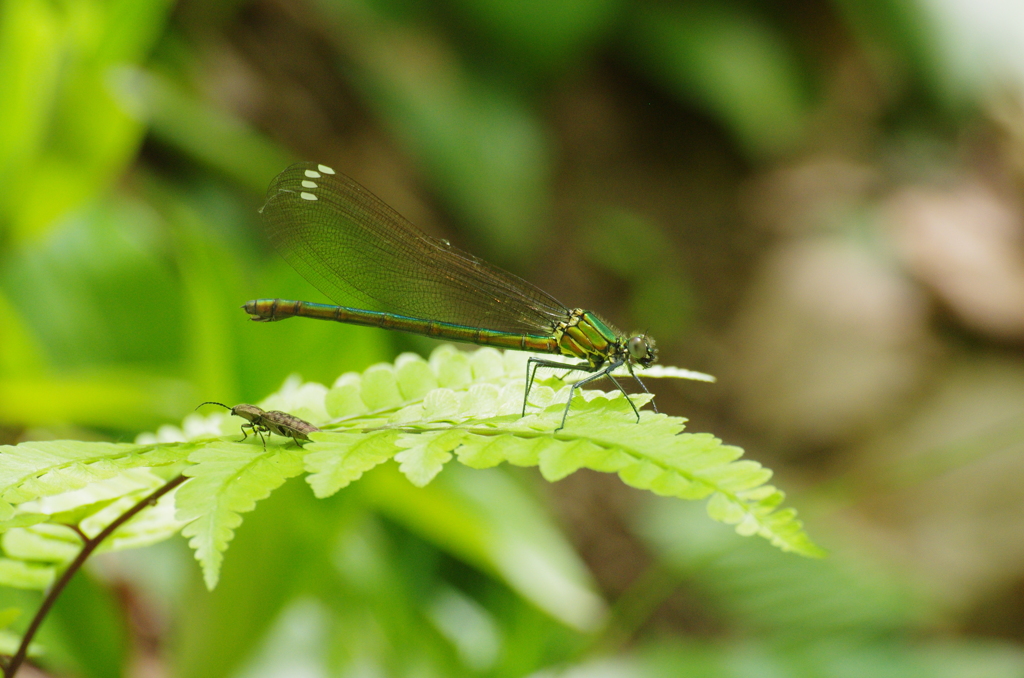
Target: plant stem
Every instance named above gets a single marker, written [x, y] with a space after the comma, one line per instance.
[90, 545]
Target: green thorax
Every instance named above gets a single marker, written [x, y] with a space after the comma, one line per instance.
[586, 336]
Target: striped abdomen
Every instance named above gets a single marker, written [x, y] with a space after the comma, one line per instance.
[270, 310]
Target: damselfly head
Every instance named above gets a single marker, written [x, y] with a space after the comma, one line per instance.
[642, 350]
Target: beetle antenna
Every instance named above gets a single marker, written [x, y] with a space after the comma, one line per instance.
[212, 402]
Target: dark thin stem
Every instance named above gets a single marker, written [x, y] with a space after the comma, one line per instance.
[76, 564]
[77, 530]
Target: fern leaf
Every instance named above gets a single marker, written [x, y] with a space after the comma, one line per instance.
[344, 458]
[39, 469]
[473, 415]
[21, 575]
[44, 542]
[24, 520]
[422, 413]
[424, 455]
[227, 480]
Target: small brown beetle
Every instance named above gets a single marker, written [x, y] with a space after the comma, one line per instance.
[274, 421]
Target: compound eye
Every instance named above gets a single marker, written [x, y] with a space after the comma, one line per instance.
[637, 347]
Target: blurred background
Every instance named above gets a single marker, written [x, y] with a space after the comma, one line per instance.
[818, 202]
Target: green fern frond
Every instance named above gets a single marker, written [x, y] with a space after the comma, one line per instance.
[467, 406]
[346, 458]
[228, 479]
[56, 492]
[40, 469]
[457, 405]
[22, 575]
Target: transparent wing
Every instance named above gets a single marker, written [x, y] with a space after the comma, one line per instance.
[359, 252]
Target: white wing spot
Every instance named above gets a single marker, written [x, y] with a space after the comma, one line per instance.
[325, 169]
[312, 174]
[308, 184]
[307, 196]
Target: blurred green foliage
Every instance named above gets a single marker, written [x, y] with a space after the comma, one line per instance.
[558, 138]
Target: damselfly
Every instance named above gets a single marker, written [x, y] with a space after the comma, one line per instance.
[355, 249]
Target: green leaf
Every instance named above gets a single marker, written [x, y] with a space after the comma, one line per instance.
[729, 60]
[40, 469]
[346, 396]
[22, 575]
[413, 376]
[42, 543]
[8, 616]
[24, 520]
[79, 513]
[6, 511]
[424, 413]
[227, 480]
[474, 416]
[343, 458]
[424, 455]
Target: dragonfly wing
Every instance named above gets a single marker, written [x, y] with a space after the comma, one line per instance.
[354, 248]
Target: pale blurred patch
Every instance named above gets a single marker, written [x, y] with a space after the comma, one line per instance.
[830, 341]
[966, 243]
[808, 195]
[976, 44]
[946, 485]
